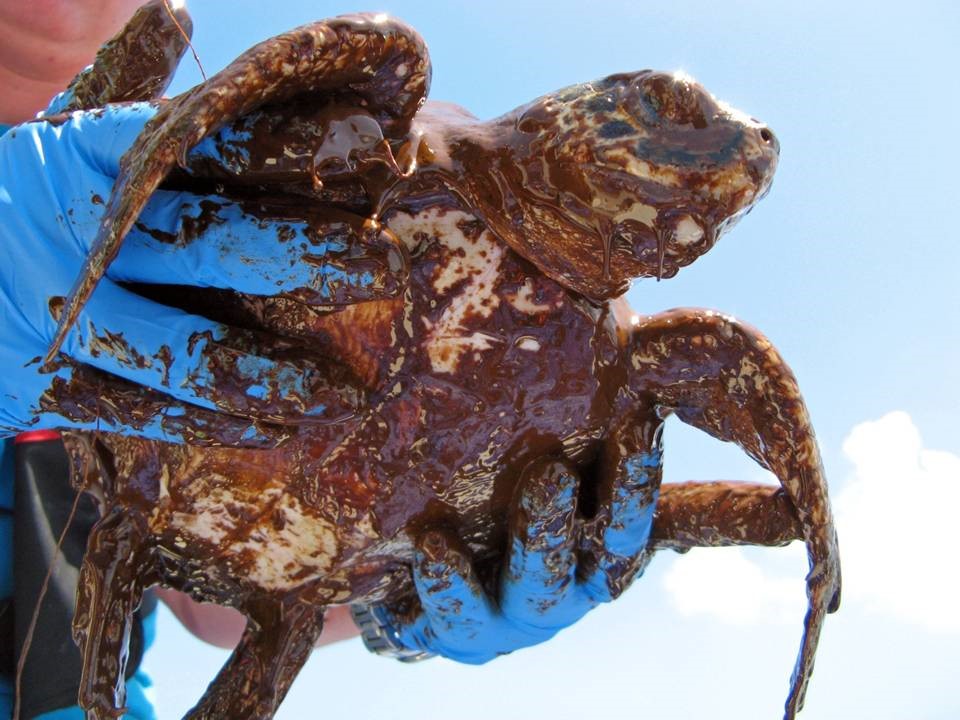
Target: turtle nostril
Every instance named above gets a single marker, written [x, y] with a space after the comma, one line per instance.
[766, 134]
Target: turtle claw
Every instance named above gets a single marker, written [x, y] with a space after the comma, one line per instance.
[182, 155]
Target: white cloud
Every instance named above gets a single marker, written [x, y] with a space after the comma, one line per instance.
[725, 584]
[897, 520]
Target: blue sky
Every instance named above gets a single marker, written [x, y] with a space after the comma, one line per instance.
[849, 266]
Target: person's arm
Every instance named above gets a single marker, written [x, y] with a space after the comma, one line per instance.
[44, 43]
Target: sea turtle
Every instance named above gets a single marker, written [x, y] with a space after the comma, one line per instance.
[508, 345]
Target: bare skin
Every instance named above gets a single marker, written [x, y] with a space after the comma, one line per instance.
[223, 626]
[44, 44]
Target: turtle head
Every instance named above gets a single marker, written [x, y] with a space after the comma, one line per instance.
[635, 175]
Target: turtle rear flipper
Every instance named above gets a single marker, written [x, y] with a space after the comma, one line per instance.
[276, 643]
[726, 379]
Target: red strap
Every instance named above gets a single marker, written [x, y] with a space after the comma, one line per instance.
[36, 436]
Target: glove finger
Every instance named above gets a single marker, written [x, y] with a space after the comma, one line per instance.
[455, 607]
[185, 239]
[628, 488]
[56, 178]
[83, 398]
[536, 588]
[331, 258]
[199, 362]
[94, 140]
[449, 590]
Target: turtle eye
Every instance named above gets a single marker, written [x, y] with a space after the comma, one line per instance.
[672, 98]
[535, 119]
[648, 102]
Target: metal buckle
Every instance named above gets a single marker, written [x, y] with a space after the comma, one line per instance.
[380, 637]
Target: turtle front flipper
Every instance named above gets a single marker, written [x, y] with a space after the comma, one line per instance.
[374, 62]
[138, 63]
[276, 643]
[727, 379]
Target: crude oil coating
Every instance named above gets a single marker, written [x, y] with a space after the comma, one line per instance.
[719, 514]
[103, 401]
[505, 347]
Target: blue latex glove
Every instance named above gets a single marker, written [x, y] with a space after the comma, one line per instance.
[542, 586]
[138, 706]
[54, 180]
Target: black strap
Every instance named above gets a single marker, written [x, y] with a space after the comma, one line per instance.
[7, 662]
[43, 500]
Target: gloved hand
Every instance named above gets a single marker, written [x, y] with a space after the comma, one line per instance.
[134, 365]
[558, 567]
